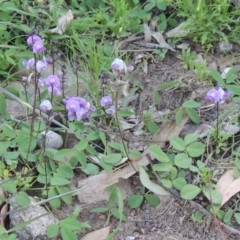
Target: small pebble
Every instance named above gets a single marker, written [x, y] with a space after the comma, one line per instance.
[53, 140]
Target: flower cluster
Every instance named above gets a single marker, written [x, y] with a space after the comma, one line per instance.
[106, 101]
[217, 94]
[119, 67]
[78, 108]
[36, 43]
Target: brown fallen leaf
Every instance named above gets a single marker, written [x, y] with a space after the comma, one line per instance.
[4, 210]
[147, 33]
[63, 21]
[228, 186]
[99, 234]
[160, 39]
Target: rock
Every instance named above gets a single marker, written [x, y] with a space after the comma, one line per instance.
[225, 47]
[236, 2]
[34, 230]
[53, 140]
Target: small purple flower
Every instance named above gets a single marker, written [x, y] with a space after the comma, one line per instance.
[92, 109]
[32, 39]
[106, 101]
[47, 60]
[118, 65]
[41, 66]
[53, 81]
[28, 64]
[72, 105]
[217, 95]
[55, 90]
[111, 110]
[45, 105]
[38, 47]
[40, 83]
[130, 68]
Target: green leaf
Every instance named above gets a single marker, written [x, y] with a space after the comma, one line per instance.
[7, 131]
[103, 138]
[157, 152]
[71, 224]
[68, 234]
[100, 209]
[22, 199]
[166, 183]
[55, 203]
[163, 25]
[213, 195]
[82, 145]
[172, 22]
[228, 216]
[146, 182]
[63, 154]
[59, 181]
[237, 217]
[149, 6]
[178, 144]
[196, 149]
[90, 169]
[162, 167]
[179, 115]
[179, 182]
[124, 113]
[93, 135]
[182, 161]
[115, 212]
[52, 230]
[216, 76]
[191, 104]
[192, 137]
[66, 198]
[162, 6]
[24, 144]
[82, 159]
[173, 173]
[152, 127]
[152, 199]
[189, 191]
[9, 186]
[193, 115]
[64, 171]
[135, 201]
[112, 158]
[113, 196]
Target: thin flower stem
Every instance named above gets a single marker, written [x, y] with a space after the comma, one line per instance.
[217, 134]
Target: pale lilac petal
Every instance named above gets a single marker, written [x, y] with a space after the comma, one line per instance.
[38, 47]
[32, 39]
[72, 105]
[111, 110]
[41, 66]
[106, 101]
[52, 80]
[45, 105]
[213, 96]
[71, 115]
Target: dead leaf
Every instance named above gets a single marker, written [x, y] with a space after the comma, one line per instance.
[228, 186]
[162, 43]
[4, 210]
[178, 31]
[212, 66]
[226, 61]
[62, 23]
[147, 33]
[99, 234]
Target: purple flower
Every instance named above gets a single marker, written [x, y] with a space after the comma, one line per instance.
[55, 90]
[53, 81]
[77, 108]
[111, 110]
[40, 83]
[130, 68]
[45, 105]
[119, 65]
[38, 47]
[47, 60]
[41, 66]
[106, 101]
[28, 64]
[33, 39]
[217, 95]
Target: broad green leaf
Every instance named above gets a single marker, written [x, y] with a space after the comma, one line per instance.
[91, 150]
[124, 113]
[116, 213]
[55, 203]
[149, 6]
[71, 224]
[196, 149]
[157, 152]
[22, 199]
[135, 201]
[59, 181]
[24, 144]
[93, 135]
[237, 217]
[178, 144]
[146, 182]
[112, 158]
[10, 155]
[7, 131]
[81, 157]
[192, 137]
[193, 115]
[64, 171]
[163, 25]
[213, 195]
[66, 198]
[162, 6]
[9, 186]
[106, 166]
[30, 157]
[179, 115]
[152, 199]
[67, 234]
[216, 76]
[51, 153]
[63, 155]
[90, 169]
[173, 173]
[179, 182]
[103, 138]
[113, 196]
[228, 217]
[166, 183]
[182, 161]
[82, 145]
[3, 104]
[152, 127]
[189, 191]
[162, 167]
[52, 230]
[191, 104]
